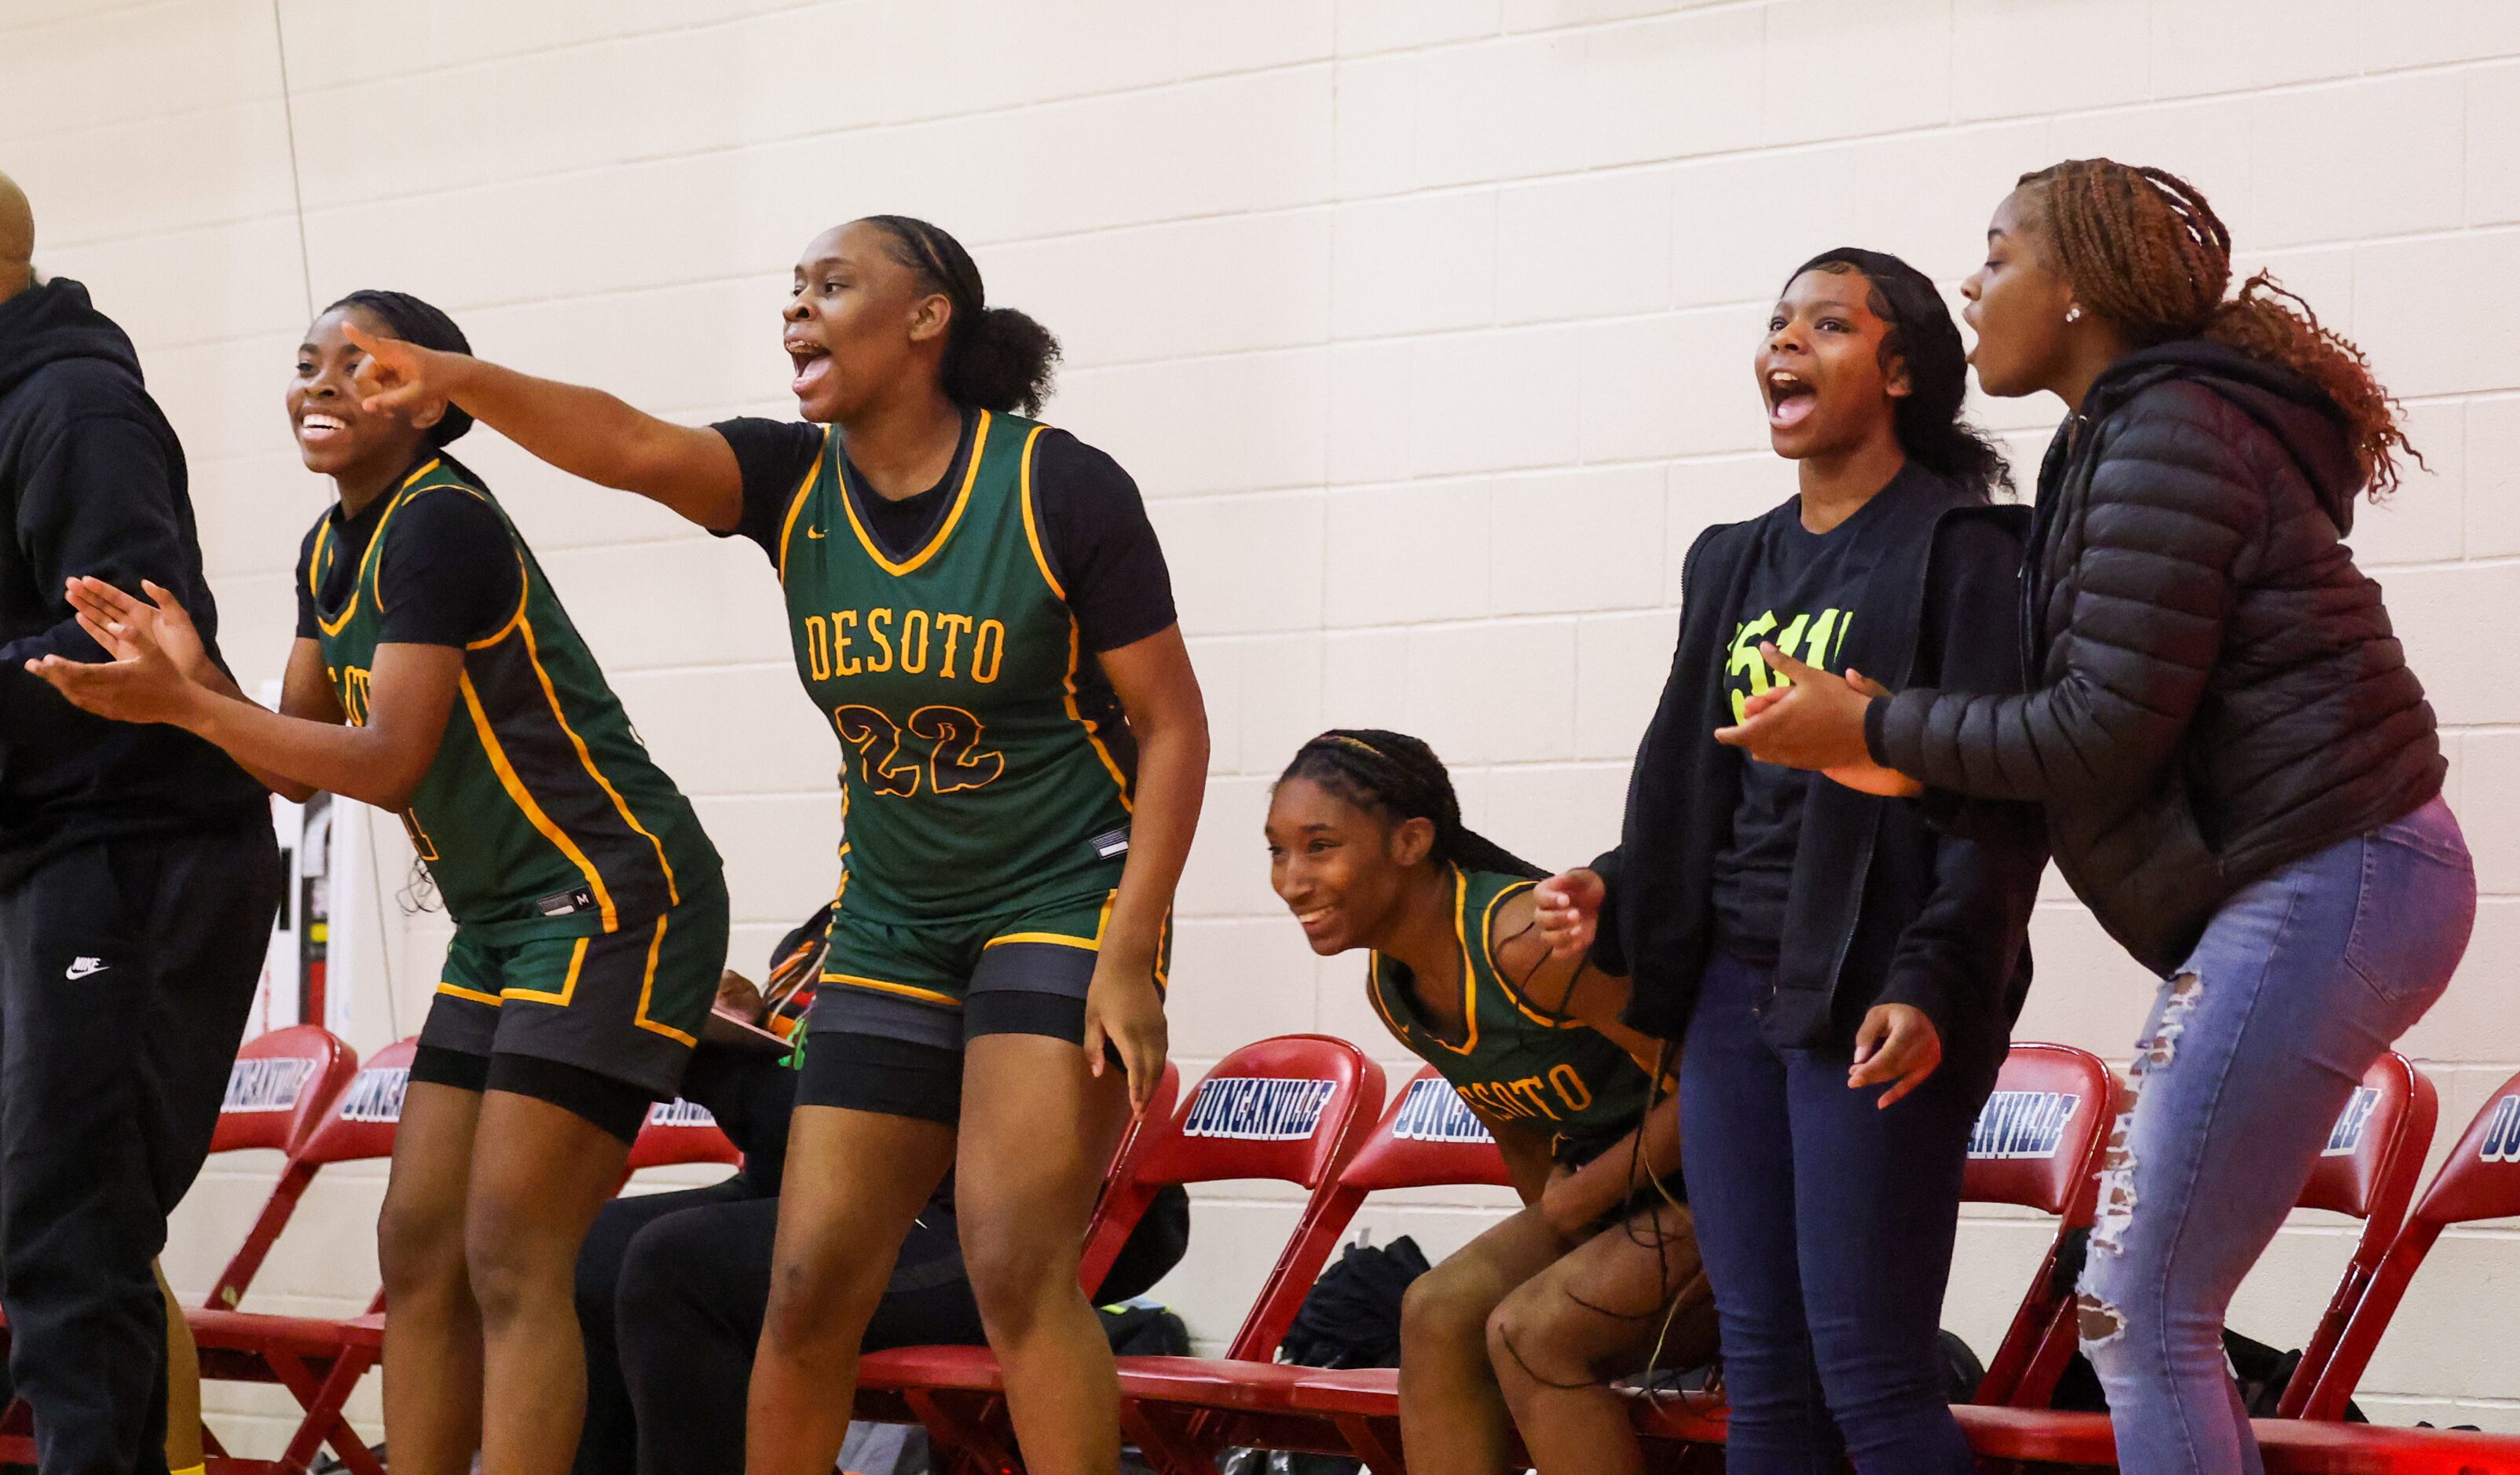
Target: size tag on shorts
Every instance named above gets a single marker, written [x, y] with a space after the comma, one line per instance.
[1110, 842]
[562, 903]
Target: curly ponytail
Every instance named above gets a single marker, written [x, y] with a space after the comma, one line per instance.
[995, 357]
[2147, 253]
[1402, 776]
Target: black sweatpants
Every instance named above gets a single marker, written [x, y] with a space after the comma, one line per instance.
[127, 970]
[690, 1287]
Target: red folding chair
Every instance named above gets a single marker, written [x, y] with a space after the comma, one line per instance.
[1290, 1109]
[2009, 1438]
[949, 1389]
[1180, 1411]
[279, 1088]
[2373, 1156]
[2038, 1143]
[2480, 1179]
[320, 1361]
[678, 1133]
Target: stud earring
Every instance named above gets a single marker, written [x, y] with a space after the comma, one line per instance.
[2074, 314]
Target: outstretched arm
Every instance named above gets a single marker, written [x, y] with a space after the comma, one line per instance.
[585, 433]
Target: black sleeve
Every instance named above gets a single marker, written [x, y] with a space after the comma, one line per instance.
[1658, 799]
[2172, 502]
[448, 572]
[308, 629]
[98, 500]
[774, 456]
[1100, 545]
[1957, 956]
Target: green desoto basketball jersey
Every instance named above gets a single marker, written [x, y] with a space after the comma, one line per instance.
[970, 779]
[1515, 1063]
[542, 813]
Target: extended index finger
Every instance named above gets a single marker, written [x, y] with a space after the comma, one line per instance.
[1783, 664]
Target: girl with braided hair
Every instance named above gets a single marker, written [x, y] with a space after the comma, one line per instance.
[978, 605]
[1841, 976]
[1597, 1277]
[2239, 774]
[435, 674]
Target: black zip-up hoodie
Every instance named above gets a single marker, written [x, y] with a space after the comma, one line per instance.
[91, 482]
[2219, 692]
[1883, 907]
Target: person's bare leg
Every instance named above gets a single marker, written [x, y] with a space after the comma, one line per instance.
[183, 1384]
[1038, 1132]
[539, 1174]
[1452, 1414]
[1605, 1311]
[855, 1180]
[434, 1335]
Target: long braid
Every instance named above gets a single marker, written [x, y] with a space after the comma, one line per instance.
[2149, 255]
[1401, 776]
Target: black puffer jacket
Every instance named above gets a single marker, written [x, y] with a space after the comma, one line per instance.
[2220, 691]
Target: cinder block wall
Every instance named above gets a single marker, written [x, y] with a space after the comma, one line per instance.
[1424, 325]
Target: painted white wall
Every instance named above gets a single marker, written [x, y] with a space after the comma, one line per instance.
[1424, 325]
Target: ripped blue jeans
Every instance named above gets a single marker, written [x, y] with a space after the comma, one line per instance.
[2251, 1052]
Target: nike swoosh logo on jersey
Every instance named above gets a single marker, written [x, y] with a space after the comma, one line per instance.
[80, 967]
[812, 531]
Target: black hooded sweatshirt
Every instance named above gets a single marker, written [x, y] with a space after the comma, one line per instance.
[91, 482]
[2215, 688]
[1884, 906]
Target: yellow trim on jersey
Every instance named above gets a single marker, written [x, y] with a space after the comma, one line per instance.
[524, 591]
[797, 504]
[315, 564]
[929, 996]
[1374, 996]
[567, 985]
[1076, 635]
[1504, 985]
[673, 893]
[525, 583]
[648, 989]
[1067, 683]
[1032, 532]
[532, 811]
[367, 560]
[1469, 973]
[945, 530]
[1061, 939]
[1470, 980]
[475, 995]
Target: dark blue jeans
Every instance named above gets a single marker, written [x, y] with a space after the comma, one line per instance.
[1825, 1225]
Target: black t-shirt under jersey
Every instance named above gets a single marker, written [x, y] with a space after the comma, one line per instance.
[449, 573]
[1802, 590]
[1094, 523]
